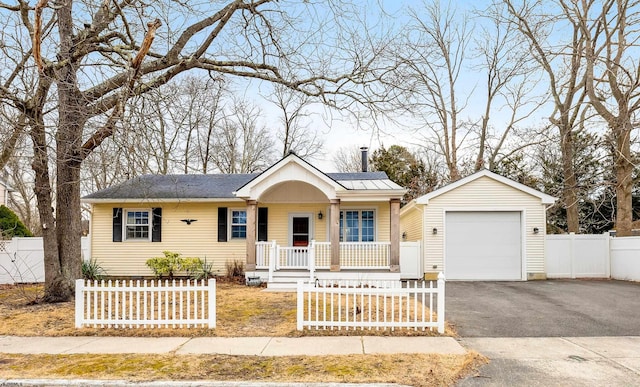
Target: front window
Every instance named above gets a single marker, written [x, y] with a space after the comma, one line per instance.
[238, 223]
[357, 226]
[137, 225]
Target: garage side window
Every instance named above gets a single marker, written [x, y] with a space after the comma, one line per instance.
[357, 226]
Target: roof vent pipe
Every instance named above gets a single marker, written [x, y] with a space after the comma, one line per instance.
[365, 158]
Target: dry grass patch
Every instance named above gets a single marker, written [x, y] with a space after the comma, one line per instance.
[415, 370]
[241, 311]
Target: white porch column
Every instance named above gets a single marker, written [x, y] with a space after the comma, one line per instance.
[334, 234]
[252, 211]
[395, 235]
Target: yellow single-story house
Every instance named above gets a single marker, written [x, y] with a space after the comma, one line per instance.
[290, 222]
[482, 227]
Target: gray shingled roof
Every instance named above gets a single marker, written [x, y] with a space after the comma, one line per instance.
[220, 186]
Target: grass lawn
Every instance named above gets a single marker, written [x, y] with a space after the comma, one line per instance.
[241, 311]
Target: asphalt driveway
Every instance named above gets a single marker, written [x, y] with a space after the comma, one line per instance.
[553, 308]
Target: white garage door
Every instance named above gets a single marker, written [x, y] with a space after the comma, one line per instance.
[483, 246]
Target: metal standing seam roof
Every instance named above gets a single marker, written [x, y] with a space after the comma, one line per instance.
[220, 186]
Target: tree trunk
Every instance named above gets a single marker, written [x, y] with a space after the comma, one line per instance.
[71, 120]
[56, 288]
[569, 195]
[624, 180]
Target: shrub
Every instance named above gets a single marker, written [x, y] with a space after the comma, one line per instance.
[91, 270]
[235, 269]
[172, 263]
[10, 224]
[167, 265]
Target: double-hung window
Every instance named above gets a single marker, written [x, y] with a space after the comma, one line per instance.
[137, 225]
[357, 226]
[238, 223]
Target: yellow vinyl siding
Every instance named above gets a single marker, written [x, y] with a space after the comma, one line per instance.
[486, 194]
[279, 219]
[199, 239]
[411, 222]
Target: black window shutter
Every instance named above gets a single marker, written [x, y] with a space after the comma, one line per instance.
[222, 224]
[262, 224]
[117, 224]
[156, 225]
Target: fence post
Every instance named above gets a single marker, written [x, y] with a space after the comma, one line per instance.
[79, 302]
[312, 259]
[440, 309]
[300, 305]
[572, 255]
[212, 302]
[272, 259]
[607, 241]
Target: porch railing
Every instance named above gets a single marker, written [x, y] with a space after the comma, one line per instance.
[353, 255]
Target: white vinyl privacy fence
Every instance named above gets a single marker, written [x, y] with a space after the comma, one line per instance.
[578, 256]
[592, 256]
[371, 305]
[22, 259]
[145, 304]
[625, 258]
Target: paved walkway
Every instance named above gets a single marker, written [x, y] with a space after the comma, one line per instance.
[257, 346]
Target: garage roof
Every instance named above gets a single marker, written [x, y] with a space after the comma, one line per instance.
[546, 199]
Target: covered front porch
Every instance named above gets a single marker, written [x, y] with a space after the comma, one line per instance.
[277, 264]
[302, 224]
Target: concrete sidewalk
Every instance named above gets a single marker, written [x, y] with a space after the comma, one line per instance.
[556, 361]
[256, 346]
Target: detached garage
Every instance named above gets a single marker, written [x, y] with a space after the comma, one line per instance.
[482, 227]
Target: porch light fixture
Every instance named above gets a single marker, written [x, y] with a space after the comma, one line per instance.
[404, 236]
[320, 215]
[188, 221]
[536, 230]
[434, 231]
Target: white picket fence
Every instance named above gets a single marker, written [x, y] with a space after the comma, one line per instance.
[145, 304]
[370, 305]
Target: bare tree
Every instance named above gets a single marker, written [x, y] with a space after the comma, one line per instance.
[510, 82]
[348, 159]
[612, 82]
[294, 131]
[90, 58]
[433, 59]
[241, 144]
[562, 63]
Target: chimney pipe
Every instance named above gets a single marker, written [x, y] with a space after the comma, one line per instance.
[365, 158]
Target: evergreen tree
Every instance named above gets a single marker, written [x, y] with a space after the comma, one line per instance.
[11, 226]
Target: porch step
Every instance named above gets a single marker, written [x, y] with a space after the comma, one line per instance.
[287, 279]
